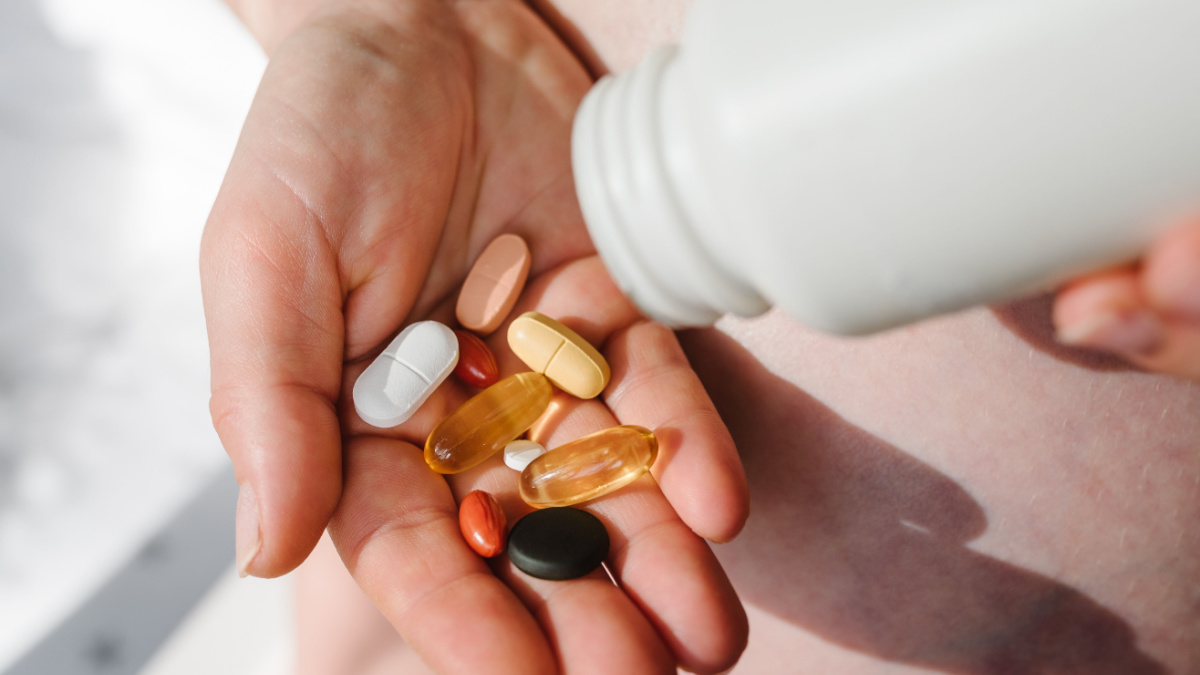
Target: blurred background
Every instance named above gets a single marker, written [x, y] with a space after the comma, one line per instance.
[117, 119]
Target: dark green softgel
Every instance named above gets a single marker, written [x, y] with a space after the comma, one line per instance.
[558, 543]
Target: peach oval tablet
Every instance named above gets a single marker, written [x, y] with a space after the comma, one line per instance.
[550, 348]
[400, 379]
[493, 284]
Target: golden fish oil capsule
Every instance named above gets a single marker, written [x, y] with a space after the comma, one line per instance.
[487, 422]
[589, 467]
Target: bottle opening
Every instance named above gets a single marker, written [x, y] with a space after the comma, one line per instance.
[630, 204]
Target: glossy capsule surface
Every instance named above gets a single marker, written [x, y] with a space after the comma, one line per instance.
[482, 521]
[589, 467]
[476, 364]
[487, 422]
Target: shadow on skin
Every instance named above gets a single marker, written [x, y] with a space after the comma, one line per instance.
[1030, 319]
[858, 542]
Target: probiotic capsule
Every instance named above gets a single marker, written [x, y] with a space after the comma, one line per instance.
[400, 379]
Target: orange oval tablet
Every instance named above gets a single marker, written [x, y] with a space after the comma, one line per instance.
[493, 284]
[483, 523]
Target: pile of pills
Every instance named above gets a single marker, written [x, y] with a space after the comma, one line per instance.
[553, 542]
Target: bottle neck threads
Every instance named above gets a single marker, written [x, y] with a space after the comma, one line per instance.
[632, 206]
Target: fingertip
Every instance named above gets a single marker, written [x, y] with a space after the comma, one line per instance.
[698, 466]
[285, 448]
[712, 497]
[709, 631]
[1171, 273]
[1116, 310]
[1109, 291]
[1107, 311]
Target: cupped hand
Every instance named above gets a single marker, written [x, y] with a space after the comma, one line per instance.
[389, 142]
[1148, 312]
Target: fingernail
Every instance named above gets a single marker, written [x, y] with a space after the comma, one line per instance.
[247, 534]
[1136, 332]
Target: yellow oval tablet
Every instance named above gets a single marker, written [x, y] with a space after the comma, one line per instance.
[550, 348]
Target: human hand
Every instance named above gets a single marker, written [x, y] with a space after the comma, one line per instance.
[388, 144]
[1148, 312]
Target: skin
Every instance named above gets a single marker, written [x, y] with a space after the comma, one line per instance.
[388, 144]
[961, 496]
[1149, 311]
[964, 496]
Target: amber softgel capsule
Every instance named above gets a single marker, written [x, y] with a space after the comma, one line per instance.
[589, 467]
[487, 422]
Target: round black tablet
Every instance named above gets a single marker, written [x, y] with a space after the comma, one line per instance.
[558, 543]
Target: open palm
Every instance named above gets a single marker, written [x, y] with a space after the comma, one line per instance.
[388, 144]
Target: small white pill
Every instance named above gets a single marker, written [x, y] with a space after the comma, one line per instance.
[519, 453]
[400, 379]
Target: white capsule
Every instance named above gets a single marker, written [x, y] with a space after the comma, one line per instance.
[519, 453]
[400, 379]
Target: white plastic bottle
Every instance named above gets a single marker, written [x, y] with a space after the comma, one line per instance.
[866, 163]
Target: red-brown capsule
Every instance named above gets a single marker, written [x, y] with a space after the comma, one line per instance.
[476, 364]
[483, 524]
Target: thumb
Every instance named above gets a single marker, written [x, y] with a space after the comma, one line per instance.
[273, 306]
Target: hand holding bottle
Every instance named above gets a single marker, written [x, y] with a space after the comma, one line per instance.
[1148, 312]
